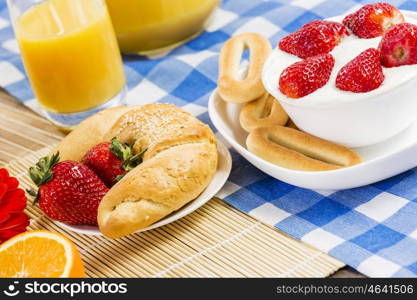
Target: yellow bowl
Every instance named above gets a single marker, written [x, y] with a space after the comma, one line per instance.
[153, 26]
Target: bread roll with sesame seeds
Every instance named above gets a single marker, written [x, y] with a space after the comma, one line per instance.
[179, 162]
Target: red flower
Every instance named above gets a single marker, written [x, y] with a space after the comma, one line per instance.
[12, 203]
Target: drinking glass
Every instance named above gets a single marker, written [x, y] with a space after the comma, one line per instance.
[71, 56]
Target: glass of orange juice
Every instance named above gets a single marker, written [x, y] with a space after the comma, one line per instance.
[71, 56]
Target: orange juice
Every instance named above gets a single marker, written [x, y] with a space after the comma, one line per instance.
[144, 25]
[70, 54]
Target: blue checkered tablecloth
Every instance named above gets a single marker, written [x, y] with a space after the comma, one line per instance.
[372, 228]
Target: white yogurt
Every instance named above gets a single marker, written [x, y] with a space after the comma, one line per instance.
[329, 94]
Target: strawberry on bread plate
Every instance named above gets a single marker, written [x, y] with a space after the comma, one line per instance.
[369, 95]
[344, 110]
[130, 169]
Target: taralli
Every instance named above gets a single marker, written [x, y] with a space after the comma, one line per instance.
[179, 162]
[291, 124]
[230, 87]
[263, 112]
[293, 149]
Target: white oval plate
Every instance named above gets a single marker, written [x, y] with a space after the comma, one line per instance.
[380, 161]
[224, 167]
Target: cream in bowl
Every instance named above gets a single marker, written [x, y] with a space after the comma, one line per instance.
[349, 118]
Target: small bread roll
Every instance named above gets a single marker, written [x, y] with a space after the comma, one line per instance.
[179, 162]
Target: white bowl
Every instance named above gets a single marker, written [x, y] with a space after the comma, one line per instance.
[224, 167]
[368, 119]
[380, 161]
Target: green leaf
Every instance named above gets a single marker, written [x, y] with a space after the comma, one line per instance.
[35, 194]
[117, 148]
[41, 173]
[125, 153]
[118, 178]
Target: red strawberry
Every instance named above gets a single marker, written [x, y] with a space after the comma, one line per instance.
[399, 46]
[373, 20]
[362, 74]
[304, 77]
[12, 203]
[69, 191]
[314, 38]
[111, 160]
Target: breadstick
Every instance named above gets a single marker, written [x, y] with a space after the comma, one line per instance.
[293, 149]
[263, 112]
[230, 88]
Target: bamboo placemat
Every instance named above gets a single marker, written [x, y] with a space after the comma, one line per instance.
[214, 241]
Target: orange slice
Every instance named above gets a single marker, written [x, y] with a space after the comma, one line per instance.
[40, 254]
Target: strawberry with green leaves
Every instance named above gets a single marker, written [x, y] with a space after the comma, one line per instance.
[112, 160]
[68, 191]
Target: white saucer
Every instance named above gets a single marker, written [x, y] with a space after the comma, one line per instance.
[381, 161]
[220, 177]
